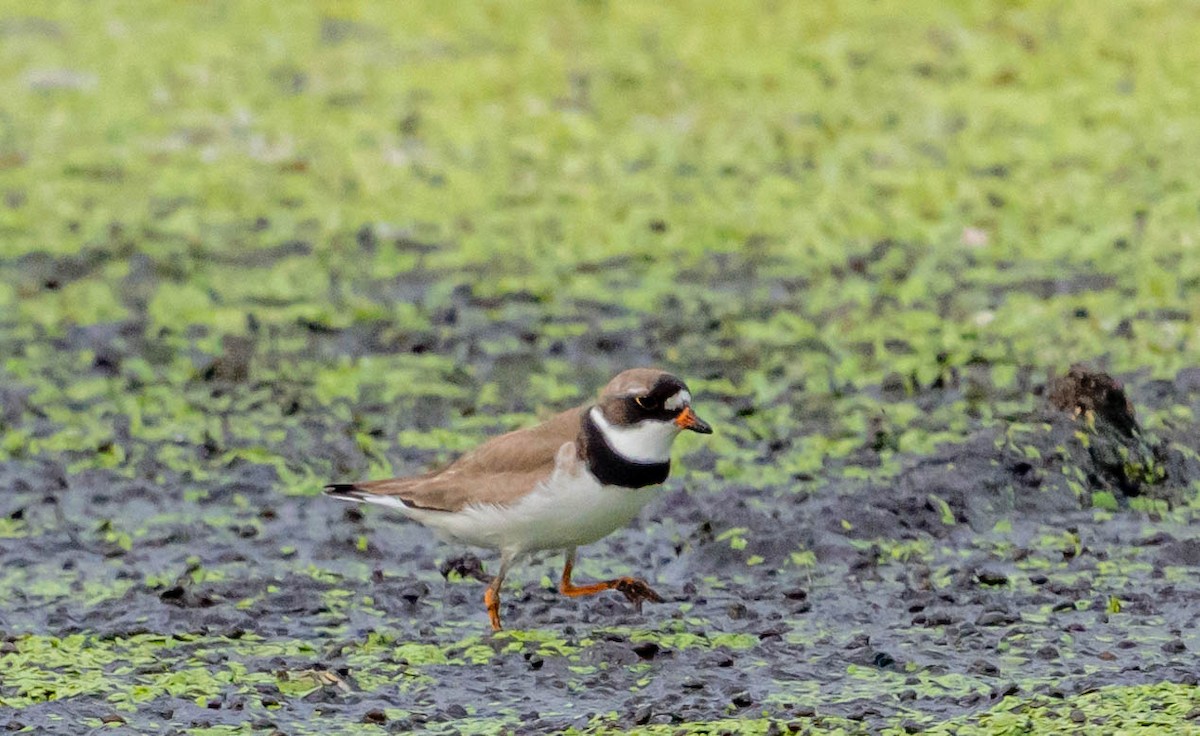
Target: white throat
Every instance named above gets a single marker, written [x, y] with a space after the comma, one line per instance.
[648, 441]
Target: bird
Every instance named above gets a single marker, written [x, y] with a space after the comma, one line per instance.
[566, 482]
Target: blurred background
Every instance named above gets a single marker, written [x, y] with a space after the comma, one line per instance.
[503, 205]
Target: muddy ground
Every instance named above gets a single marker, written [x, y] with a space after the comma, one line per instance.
[247, 249]
[1048, 552]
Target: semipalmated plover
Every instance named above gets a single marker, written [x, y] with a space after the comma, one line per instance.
[566, 482]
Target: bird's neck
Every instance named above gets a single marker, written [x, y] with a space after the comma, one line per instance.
[599, 443]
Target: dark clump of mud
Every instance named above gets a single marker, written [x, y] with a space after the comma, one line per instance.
[1095, 395]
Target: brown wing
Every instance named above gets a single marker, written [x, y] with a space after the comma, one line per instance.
[499, 471]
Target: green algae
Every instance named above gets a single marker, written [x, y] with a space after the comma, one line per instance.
[124, 672]
[1150, 709]
[199, 244]
[894, 189]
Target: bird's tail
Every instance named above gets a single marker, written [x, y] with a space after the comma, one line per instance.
[345, 492]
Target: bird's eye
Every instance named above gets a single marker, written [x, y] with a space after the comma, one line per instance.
[642, 402]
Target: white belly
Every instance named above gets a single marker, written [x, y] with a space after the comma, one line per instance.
[567, 510]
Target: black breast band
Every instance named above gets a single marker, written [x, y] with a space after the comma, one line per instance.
[612, 469]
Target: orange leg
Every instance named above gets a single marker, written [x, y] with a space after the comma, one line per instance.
[635, 590]
[491, 599]
[491, 596]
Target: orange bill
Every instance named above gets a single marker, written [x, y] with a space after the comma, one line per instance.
[687, 419]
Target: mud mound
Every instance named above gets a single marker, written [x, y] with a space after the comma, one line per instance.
[1082, 447]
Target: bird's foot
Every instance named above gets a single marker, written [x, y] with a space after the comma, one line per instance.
[636, 591]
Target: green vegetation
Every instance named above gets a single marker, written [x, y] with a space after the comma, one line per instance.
[916, 180]
[338, 239]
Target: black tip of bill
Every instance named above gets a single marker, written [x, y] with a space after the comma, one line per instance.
[687, 419]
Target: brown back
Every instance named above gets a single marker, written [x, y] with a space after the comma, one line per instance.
[499, 471]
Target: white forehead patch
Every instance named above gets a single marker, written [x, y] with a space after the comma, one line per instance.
[681, 399]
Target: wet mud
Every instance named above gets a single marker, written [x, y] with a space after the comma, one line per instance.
[1047, 551]
[948, 342]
